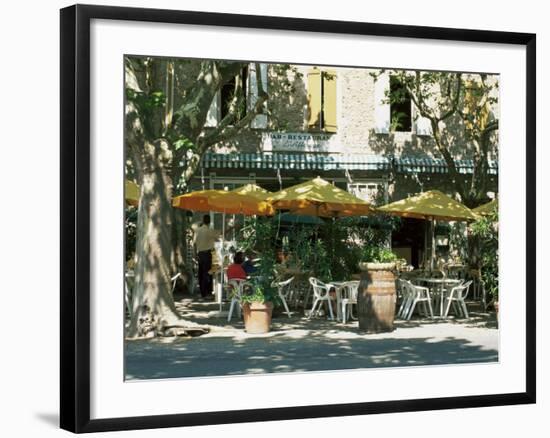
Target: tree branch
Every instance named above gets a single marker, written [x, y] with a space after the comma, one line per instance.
[454, 106]
[238, 96]
[191, 115]
[418, 98]
[491, 126]
[226, 132]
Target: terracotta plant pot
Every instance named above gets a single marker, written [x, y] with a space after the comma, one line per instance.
[376, 298]
[257, 317]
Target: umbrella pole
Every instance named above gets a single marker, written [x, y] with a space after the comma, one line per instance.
[425, 252]
[316, 238]
[433, 244]
[222, 261]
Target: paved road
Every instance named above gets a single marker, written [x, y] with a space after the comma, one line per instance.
[302, 345]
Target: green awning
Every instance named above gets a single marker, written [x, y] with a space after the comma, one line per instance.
[288, 161]
[438, 165]
[327, 162]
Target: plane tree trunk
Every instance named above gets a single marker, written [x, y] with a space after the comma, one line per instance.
[153, 309]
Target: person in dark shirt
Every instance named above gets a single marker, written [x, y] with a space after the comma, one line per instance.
[248, 264]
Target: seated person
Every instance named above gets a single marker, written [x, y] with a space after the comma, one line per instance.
[248, 264]
[235, 269]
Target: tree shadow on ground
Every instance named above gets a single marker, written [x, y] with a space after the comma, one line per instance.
[280, 353]
[299, 344]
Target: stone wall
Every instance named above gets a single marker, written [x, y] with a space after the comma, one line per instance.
[288, 112]
[288, 107]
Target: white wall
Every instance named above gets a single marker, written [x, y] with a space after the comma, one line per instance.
[29, 216]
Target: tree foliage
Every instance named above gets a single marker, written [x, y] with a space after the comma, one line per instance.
[484, 233]
[462, 110]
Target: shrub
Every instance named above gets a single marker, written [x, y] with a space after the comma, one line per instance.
[260, 292]
[377, 254]
[485, 233]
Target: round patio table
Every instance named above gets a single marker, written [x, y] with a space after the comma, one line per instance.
[438, 286]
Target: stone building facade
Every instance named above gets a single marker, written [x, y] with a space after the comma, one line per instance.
[335, 123]
[360, 147]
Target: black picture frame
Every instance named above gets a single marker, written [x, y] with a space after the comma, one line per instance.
[75, 217]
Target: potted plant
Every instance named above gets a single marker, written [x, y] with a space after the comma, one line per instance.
[259, 297]
[257, 302]
[377, 258]
[377, 297]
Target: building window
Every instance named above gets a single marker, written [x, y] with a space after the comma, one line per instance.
[397, 116]
[369, 191]
[400, 106]
[321, 100]
[248, 81]
[237, 84]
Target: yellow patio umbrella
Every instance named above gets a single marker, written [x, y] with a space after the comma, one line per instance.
[487, 209]
[224, 202]
[131, 192]
[432, 205]
[318, 197]
[258, 193]
[329, 211]
[254, 191]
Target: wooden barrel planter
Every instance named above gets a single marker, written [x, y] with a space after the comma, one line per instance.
[376, 298]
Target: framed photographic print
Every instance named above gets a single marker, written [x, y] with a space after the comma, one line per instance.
[268, 218]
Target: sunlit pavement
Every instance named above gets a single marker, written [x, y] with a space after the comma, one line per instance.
[298, 344]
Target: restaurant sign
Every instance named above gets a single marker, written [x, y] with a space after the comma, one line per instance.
[299, 142]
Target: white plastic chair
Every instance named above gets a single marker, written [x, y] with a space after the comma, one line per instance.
[237, 286]
[284, 292]
[457, 297]
[302, 292]
[479, 291]
[475, 276]
[321, 292]
[417, 294]
[405, 295]
[439, 292]
[349, 298]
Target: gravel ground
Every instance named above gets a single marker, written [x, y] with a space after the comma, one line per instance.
[299, 344]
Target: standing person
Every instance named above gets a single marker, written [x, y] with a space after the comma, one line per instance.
[205, 238]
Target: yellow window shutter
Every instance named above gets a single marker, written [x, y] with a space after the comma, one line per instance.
[314, 98]
[329, 100]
